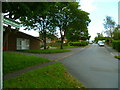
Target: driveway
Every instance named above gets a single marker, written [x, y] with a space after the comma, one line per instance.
[94, 66]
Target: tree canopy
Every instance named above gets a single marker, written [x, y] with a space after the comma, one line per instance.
[46, 17]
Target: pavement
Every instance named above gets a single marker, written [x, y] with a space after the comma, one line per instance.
[112, 51]
[54, 57]
[95, 67]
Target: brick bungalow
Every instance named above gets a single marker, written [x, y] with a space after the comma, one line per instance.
[17, 40]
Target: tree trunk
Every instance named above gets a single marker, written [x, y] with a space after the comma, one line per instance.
[44, 39]
[62, 39]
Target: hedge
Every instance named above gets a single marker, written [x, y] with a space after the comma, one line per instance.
[116, 45]
[56, 44]
[81, 43]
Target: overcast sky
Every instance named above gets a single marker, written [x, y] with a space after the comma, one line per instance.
[98, 10]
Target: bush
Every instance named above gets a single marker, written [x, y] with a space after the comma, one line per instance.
[116, 45]
[41, 46]
[81, 43]
[56, 44]
[59, 41]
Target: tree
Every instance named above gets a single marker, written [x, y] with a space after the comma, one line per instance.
[109, 25]
[69, 19]
[116, 33]
[32, 18]
[14, 11]
[43, 22]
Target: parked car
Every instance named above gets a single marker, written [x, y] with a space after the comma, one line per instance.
[100, 43]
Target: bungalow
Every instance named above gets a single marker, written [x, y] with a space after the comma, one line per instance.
[16, 40]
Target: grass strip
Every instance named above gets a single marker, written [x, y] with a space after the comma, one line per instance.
[118, 57]
[45, 51]
[14, 61]
[52, 76]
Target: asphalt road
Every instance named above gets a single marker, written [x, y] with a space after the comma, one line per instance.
[94, 66]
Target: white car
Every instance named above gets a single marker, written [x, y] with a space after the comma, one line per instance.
[100, 43]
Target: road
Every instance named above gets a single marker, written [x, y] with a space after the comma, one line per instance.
[94, 66]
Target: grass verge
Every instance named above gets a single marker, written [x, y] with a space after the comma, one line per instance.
[67, 47]
[71, 47]
[13, 61]
[45, 51]
[52, 76]
[118, 57]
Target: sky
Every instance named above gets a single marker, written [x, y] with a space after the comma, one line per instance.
[98, 10]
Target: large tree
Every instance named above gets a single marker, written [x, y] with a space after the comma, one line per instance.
[42, 21]
[31, 18]
[69, 18]
[109, 25]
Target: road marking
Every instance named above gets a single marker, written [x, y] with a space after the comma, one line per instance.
[112, 54]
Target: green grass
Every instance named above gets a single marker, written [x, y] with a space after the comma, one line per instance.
[52, 76]
[45, 51]
[14, 61]
[65, 47]
[118, 57]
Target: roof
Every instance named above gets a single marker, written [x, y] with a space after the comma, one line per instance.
[25, 34]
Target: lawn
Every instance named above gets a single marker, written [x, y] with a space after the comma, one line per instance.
[13, 61]
[45, 51]
[52, 76]
[118, 57]
[71, 47]
[66, 47]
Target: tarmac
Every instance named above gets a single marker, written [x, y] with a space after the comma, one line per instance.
[53, 57]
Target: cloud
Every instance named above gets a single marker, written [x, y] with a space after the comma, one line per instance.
[87, 5]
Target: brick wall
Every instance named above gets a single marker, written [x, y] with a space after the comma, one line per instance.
[12, 38]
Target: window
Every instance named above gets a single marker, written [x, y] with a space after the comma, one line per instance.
[22, 43]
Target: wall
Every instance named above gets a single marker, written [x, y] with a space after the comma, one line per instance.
[12, 38]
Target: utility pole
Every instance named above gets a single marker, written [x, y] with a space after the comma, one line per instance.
[1, 47]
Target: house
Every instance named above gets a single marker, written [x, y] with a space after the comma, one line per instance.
[16, 40]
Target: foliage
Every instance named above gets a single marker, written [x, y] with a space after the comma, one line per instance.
[45, 51]
[46, 17]
[71, 47]
[109, 25]
[118, 57]
[76, 35]
[116, 45]
[13, 61]
[58, 41]
[57, 44]
[81, 43]
[69, 18]
[52, 76]
[116, 33]
[102, 38]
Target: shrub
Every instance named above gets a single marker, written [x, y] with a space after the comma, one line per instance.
[56, 44]
[41, 46]
[116, 45]
[81, 43]
[59, 41]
